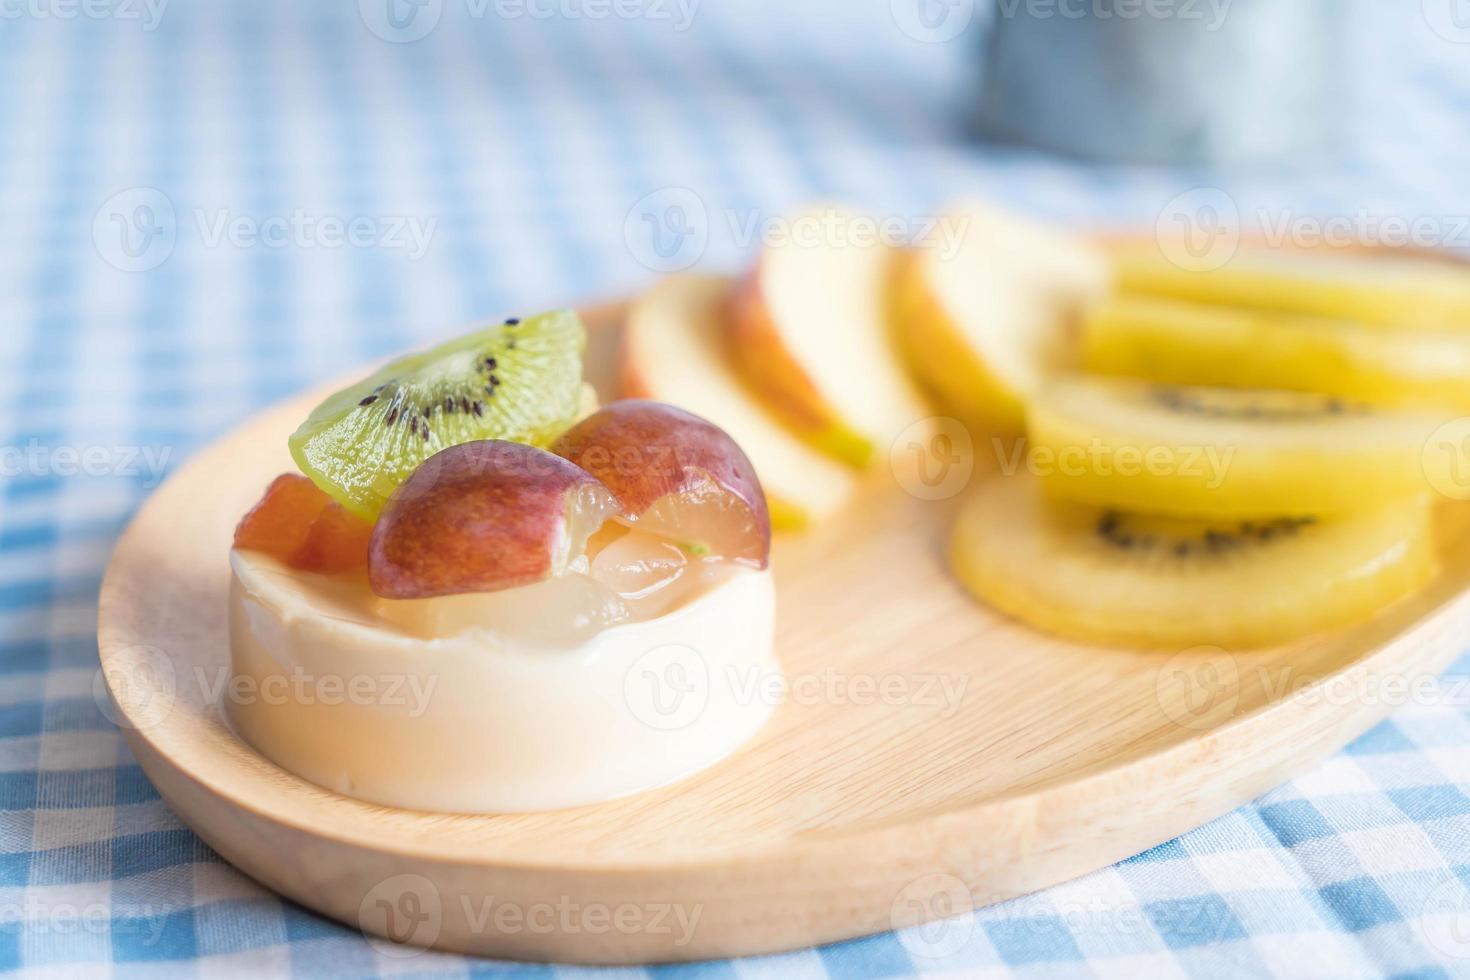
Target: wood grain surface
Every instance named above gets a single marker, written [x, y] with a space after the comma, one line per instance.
[930, 755]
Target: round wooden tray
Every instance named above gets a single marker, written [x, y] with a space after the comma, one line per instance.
[931, 756]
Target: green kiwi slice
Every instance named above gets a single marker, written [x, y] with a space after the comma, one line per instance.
[520, 381]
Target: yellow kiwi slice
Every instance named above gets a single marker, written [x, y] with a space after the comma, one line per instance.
[1382, 288]
[1199, 344]
[1109, 577]
[1197, 451]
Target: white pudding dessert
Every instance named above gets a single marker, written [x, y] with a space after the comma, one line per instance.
[579, 689]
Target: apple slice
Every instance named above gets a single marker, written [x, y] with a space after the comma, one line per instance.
[296, 523]
[985, 324]
[484, 516]
[812, 332]
[674, 351]
[676, 476]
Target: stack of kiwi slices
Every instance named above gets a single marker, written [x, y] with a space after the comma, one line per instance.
[1240, 456]
[519, 380]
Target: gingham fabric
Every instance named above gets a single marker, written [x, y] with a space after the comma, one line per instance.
[207, 206]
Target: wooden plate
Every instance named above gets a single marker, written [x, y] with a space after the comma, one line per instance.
[931, 755]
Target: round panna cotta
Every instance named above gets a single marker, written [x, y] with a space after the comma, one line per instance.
[619, 677]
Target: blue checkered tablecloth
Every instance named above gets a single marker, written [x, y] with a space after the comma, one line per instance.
[207, 206]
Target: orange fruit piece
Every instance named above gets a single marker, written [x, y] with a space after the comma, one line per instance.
[299, 525]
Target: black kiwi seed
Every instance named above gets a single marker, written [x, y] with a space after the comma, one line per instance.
[511, 321]
[368, 400]
[392, 416]
[491, 363]
[464, 404]
[478, 408]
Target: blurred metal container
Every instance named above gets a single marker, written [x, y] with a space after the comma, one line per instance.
[1200, 82]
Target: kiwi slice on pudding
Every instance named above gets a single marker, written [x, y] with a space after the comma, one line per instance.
[520, 381]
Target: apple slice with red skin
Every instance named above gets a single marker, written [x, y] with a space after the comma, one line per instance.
[485, 516]
[677, 476]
